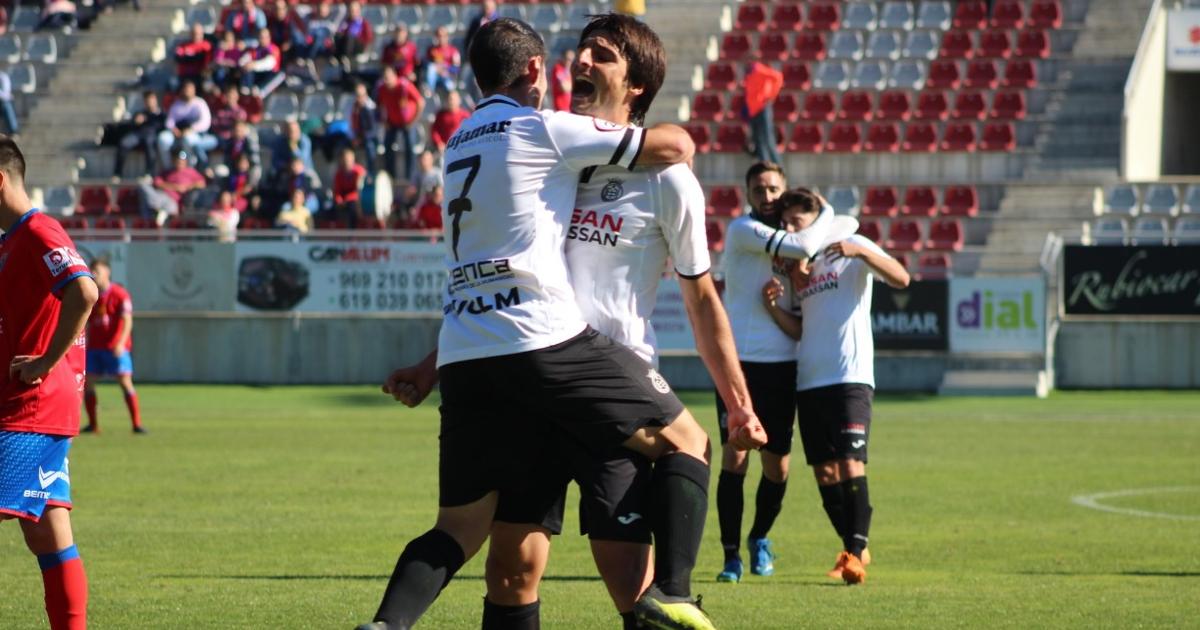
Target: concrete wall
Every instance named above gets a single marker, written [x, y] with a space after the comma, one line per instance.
[1128, 354]
[1141, 150]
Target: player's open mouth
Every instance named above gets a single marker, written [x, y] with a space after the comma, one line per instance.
[582, 87]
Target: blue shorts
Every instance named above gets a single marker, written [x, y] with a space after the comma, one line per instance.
[103, 363]
[33, 473]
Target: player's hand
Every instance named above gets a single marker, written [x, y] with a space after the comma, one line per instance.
[800, 274]
[844, 249]
[745, 430]
[28, 369]
[410, 385]
[118, 353]
[772, 291]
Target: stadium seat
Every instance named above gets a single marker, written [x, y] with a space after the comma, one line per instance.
[894, 105]
[919, 201]
[545, 18]
[10, 48]
[377, 16]
[856, 105]
[882, 137]
[576, 17]
[786, 17]
[773, 46]
[870, 75]
[806, 138]
[934, 14]
[140, 223]
[24, 78]
[904, 235]
[1008, 105]
[970, 14]
[844, 199]
[370, 222]
[1187, 231]
[897, 14]
[24, 18]
[41, 48]
[943, 75]
[1160, 199]
[982, 74]
[442, 15]
[751, 16]
[331, 224]
[319, 106]
[945, 235]
[204, 16]
[250, 222]
[736, 47]
[994, 44]
[846, 45]
[715, 230]
[957, 45]
[809, 46]
[282, 106]
[969, 105]
[1151, 231]
[109, 223]
[725, 201]
[73, 223]
[1008, 14]
[95, 200]
[1033, 44]
[932, 105]
[960, 201]
[860, 15]
[823, 16]
[1191, 201]
[737, 107]
[922, 44]
[517, 12]
[998, 136]
[919, 137]
[700, 135]
[871, 229]
[819, 106]
[880, 202]
[1110, 231]
[787, 107]
[796, 76]
[253, 105]
[1020, 73]
[731, 138]
[884, 45]
[183, 223]
[1045, 14]
[59, 200]
[719, 76]
[844, 137]
[413, 16]
[708, 106]
[129, 200]
[958, 136]
[1121, 199]
[933, 266]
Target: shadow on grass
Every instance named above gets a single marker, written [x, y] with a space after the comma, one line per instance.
[1167, 574]
[352, 577]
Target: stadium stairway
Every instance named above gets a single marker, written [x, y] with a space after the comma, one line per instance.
[1026, 215]
[62, 126]
[686, 28]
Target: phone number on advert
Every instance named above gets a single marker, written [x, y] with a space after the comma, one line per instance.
[389, 301]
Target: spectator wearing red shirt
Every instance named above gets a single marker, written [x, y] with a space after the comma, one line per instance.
[225, 68]
[429, 216]
[400, 103]
[401, 53]
[164, 197]
[560, 81]
[442, 62]
[448, 120]
[244, 22]
[227, 116]
[193, 56]
[109, 342]
[262, 66]
[353, 38]
[347, 182]
[48, 294]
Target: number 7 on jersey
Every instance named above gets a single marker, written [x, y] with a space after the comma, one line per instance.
[461, 204]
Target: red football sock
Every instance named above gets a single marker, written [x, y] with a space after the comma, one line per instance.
[66, 589]
[135, 414]
[89, 403]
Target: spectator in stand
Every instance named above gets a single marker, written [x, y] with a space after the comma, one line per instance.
[636, 8]
[400, 104]
[146, 124]
[292, 144]
[442, 62]
[347, 186]
[428, 175]
[3, 20]
[6, 103]
[295, 215]
[287, 30]
[193, 56]
[429, 216]
[487, 13]
[166, 195]
[285, 183]
[244, 142]
[262, 66]
[241, 182]
[245, 22]
[225, 68]
[762, 87]
[353, 38]
[227, 116]
[57, 14]
[188, 123]
[364, 126]
[560, 81]
[401, 53]
[448, 120]
[321, 25]
[225, 216]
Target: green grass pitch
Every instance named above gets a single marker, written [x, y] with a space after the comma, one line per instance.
[286, 508]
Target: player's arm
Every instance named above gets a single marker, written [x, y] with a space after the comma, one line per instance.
[756, 236]
[78, 297]
[126, 329]
[411, 385]
[787, 322]
[887, 268]
[583, 142]
[667, 144]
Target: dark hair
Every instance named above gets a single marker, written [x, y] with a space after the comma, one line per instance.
[643, 52]
[758, 168]
[803, 197]
[100, 261]
[12, 161]
[500, 53]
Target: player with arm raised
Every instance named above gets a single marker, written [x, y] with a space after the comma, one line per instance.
[835, 372]
[48, 294]
[110, 340]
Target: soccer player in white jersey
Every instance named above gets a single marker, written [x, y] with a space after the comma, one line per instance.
[515, 358]
[835, 370]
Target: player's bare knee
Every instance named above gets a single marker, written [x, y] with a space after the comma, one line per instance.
[687, 436]
[851, 468]
[50, 534]
[827, 473]
[511, 580]
[734, 460]
[775, 467]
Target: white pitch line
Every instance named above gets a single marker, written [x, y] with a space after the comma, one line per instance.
[1093, 501]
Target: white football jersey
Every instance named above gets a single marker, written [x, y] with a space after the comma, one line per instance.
[837, 345]
[750, 246]
[624, 228]
[511, 173]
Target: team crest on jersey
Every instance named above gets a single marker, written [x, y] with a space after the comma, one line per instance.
[604, 125]
[60, 259]
[659, 383]
[613, 190]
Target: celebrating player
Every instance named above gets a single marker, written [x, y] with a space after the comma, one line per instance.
[109, 342]
[48, 294]
[835, 371]
[515, 357]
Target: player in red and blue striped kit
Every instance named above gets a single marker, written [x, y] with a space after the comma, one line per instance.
[109, 342]
[48, 294]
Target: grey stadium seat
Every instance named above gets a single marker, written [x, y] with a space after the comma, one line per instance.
[870, 75]
[934, 14]
[577, 15]
[844, 199]
[832, 74]
[845, 44]
[884, 45]
[10, 48]
[25, 19]
[345, 105]
[1161, 199]
[413, 16]
[922, 44]
[442, 15]
[514, 11]
[319, 105]
[1187, 231]
[24, 78]
[1151, 231]
[377, 16]
[860, 15]
[1191, 200]
[1110, 231]
[41, 48]
[908, 74]
[281, 107]
[897, 14]
[60, 199]
[1121, 199]
[561, 43]
[204, 16]
[545, 18]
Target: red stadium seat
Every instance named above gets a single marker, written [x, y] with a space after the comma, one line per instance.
[969, 105]
[894, 105]
[958, 136]
[715, 231]
[809, 46]
[751, 17]
[994, 44]
[772, 46]
[1033, 44]
[182, 223]
[253, 106]
[943, 75]
[945, 235]
[796, 76]
[960, 201]
[369, 222]
[919, 201]
[94, 200]
[129, 200]
[806, 138]
[933, 266]
[904, 235]
[1045, 14]
[957, 45]
[998, 136]
[249, 222]
[919, 137]
[110, 223]
[731, 138]
[144, 224]
[708, 106]
[780, 137]
[856, 106]
[970, 14]
[824, 16]
[787, 107]
[73, 223]
[982, 74]
[880, 201]
[1020, 73]
[932, 105]
[1008, 105]
[882, 137]
[901, 257]
[786, 17]
[737, 107]
[720, 76]
[871, 229]
[844, 137]
[725, 201]
[700, 135]
[1008, 14]
[331, 224]
[736, 47]
[819, 106]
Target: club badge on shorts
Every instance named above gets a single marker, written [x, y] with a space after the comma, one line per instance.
[659, 383]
